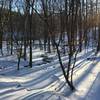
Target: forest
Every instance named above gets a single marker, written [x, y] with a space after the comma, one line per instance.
[47, 41]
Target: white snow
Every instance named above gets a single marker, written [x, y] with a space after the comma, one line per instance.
[45, 81]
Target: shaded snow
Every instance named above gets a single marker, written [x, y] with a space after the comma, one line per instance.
[46, 82]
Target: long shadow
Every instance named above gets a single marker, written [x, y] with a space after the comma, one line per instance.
[43, 66]
[38, 80]
[42, 77]
[81, 78]
[45, 96]
[35, 69]
[4, 85]
[94, 89]
[79, 67]
[7, 66]
[83, 59]
[31, 96]
[20, 72]
[85, 74]
[81, 64]
[7, 63]
[54, 71]
[10, 91]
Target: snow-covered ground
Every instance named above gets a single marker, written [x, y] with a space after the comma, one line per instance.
[45, 81]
